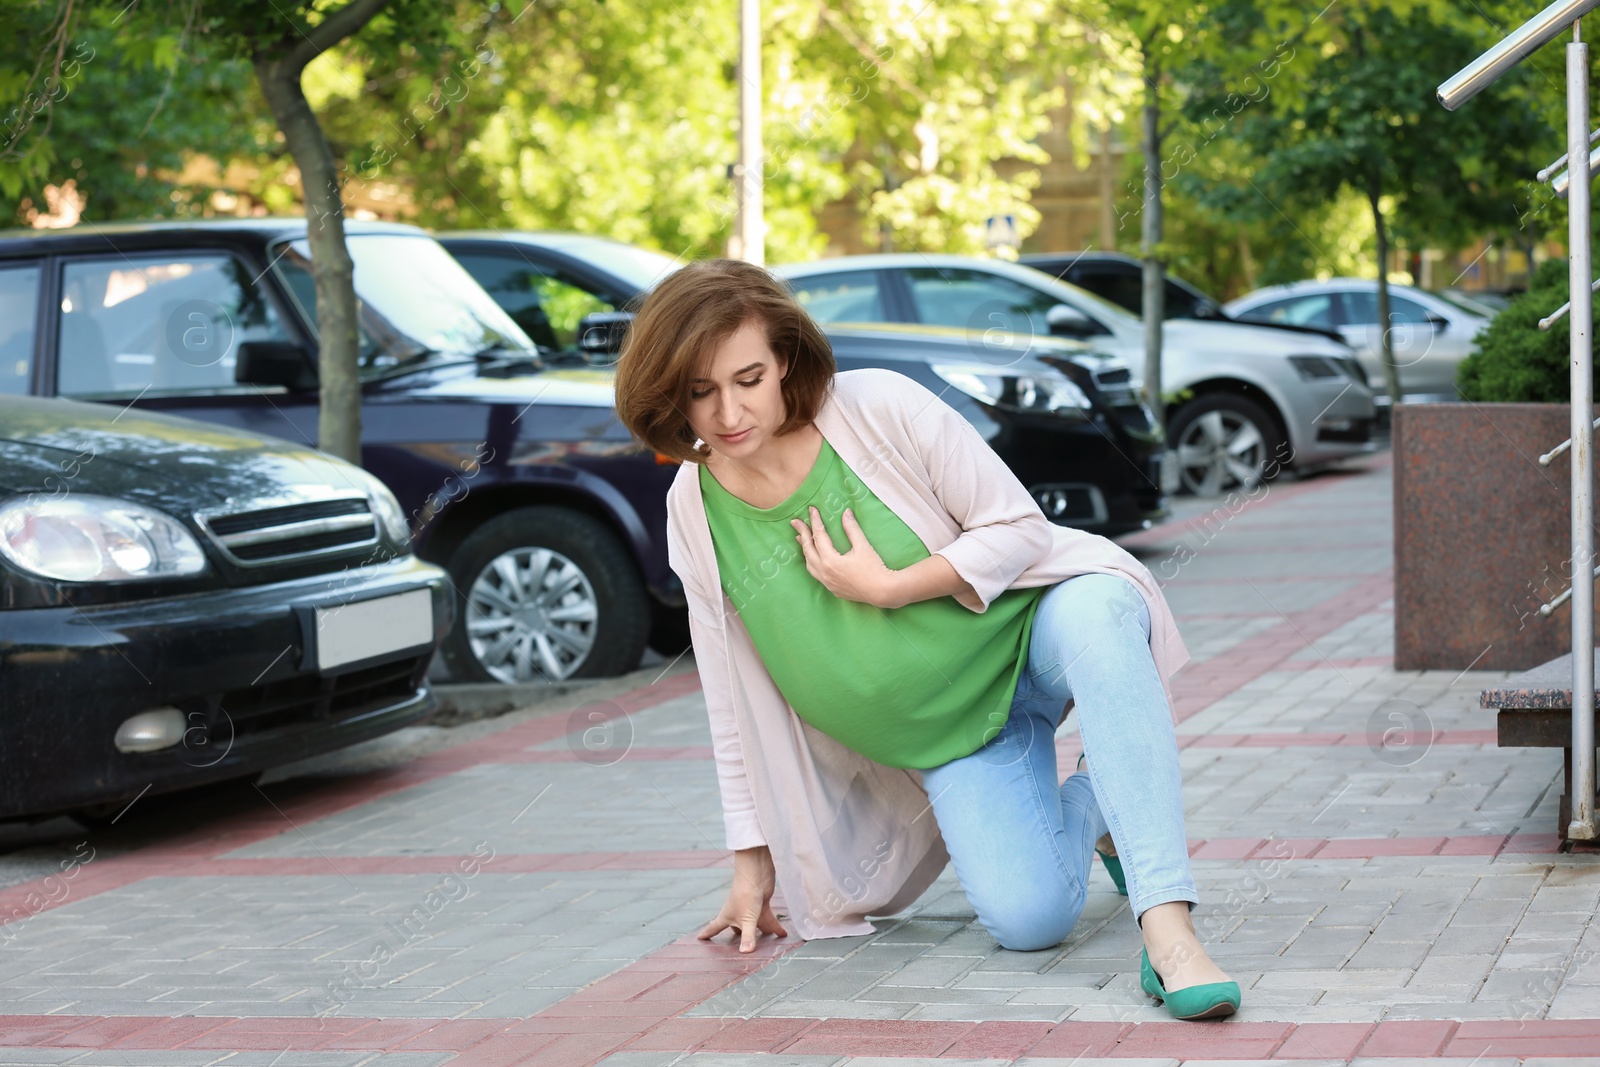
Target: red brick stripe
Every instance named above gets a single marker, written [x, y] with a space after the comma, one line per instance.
[1199, 685]
[16, 898]
[191, 853]
[643, 1011]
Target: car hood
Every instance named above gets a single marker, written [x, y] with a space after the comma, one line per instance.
[575, 387]
[59, 447]
[1239, 337]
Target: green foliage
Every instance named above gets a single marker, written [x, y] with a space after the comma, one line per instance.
[118, 115]
[1305, 109]
[1515, 360]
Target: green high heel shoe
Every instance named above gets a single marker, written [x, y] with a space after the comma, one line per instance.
[1210, 1001]
[1113, 864]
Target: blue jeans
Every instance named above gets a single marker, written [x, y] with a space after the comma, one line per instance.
[1022, 845]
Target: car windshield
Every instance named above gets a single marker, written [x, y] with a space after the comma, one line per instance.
[639, 267]
[1100, 304]
[1470, 306]
[414, 301]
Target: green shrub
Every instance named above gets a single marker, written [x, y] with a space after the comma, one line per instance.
[1515, 360]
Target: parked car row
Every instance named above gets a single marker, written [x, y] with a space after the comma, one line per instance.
[249, 600]
[1096, 461]
[498, 500]
[1244, 394]
[1430, 332]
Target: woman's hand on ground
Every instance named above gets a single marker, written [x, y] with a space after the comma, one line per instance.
[748, 909]
[859, 574]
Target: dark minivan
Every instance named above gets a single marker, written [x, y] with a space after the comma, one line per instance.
[181, 603]
[517, 478]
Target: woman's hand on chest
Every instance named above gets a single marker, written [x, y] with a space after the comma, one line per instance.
[858, 574]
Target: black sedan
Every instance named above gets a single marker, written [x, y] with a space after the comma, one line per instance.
[182, 603]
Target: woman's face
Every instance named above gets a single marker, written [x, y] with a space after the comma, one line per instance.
[737, 406]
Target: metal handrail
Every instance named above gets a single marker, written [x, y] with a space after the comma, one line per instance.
[1566, 594]
[1543, 175]
[1555, 316]
[1544, 460]
[1472, 79]
[1532, 35]
[1563, 180]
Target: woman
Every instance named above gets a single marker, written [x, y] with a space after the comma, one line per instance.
[888, 632]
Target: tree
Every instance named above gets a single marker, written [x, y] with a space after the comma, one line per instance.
[1145, 40]
[1361, 116]
[101, 104]
[620, 119]
[281, 38]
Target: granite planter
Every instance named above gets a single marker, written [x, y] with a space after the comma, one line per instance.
[1481, 536]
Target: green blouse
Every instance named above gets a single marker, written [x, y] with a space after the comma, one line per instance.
[915, 686]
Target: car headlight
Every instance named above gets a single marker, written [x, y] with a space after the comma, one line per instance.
[1042, 391]
[96, 539]
[390, 515]
[1314, 367]
[1352, 367]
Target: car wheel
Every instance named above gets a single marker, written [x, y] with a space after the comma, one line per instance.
[1223, 442]
[545, 594]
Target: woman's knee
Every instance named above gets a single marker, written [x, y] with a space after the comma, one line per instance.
[1033, 922]
[1086, 613]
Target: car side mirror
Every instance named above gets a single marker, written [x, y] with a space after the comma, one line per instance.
[600, 336]
[1069, 321]
[1438, 323]
[275, 363]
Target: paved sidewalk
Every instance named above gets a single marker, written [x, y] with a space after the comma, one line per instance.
[1380, 878]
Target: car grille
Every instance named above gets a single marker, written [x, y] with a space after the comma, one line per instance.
[301, 699]
[290, 533]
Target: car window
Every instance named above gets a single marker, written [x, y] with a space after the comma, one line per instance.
[975, 300]
[1361, 309]
[1121, 287]
[1315, 309]
[169, 323]
[546, 302]
[19, 312]
[850, 296]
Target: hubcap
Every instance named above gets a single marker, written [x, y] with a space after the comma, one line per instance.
[531, 614]
[1221, 450]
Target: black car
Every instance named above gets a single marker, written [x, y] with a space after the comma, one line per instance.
[516, 477]
[180, 603]
[1119, 278]
[1064, 417]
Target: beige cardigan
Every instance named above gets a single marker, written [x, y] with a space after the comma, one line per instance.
[849, 837]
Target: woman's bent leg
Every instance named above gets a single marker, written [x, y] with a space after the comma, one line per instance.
[1021, 845]
[1091, 641]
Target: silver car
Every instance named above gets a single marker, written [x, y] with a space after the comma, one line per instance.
[1431, 333]
[1245, 395]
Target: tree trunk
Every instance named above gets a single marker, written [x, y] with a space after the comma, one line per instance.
[1247, 265]
[1108, 192]
[278, 69]
[339, 413]
[1154, 304]
[1391, 375]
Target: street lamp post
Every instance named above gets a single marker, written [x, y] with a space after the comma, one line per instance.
[749, 240]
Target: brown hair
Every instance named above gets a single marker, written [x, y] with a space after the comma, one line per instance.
[688, 314]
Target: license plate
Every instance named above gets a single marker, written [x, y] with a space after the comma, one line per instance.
[369, 629]
[1169, 472]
